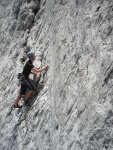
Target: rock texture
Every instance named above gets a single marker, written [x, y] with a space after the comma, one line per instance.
[73, 109]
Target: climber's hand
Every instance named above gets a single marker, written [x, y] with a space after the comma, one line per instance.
[45, 67]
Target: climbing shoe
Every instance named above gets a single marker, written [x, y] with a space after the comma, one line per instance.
[17, 106]
[27, 103]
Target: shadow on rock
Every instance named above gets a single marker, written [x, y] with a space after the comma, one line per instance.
[33, 98]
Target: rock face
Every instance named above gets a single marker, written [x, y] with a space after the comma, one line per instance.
[73, 109]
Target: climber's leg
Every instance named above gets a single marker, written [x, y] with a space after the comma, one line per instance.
[21, 92]
[30, 89]
[17, 100]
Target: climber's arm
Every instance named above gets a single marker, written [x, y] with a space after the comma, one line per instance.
[35, 70]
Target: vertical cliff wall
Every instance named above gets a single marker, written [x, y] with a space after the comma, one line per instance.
[73, 109]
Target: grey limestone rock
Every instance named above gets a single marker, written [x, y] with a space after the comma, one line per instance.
[73, 107]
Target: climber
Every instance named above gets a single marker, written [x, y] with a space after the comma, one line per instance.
[26, 88]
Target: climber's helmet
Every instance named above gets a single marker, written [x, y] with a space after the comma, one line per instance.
[30, 54]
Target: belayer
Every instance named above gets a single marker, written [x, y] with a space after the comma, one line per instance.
[26, 87]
